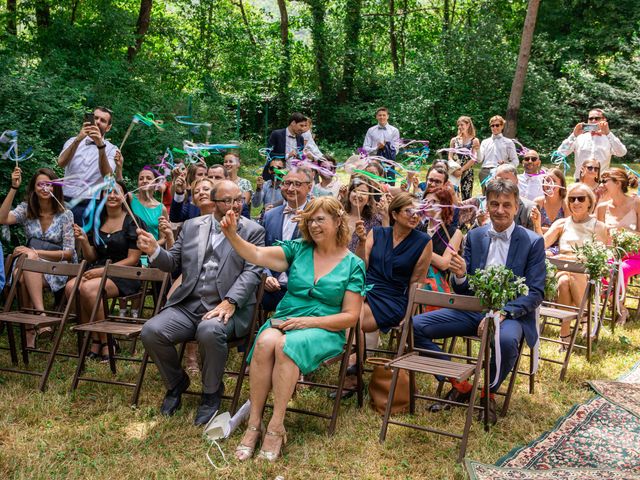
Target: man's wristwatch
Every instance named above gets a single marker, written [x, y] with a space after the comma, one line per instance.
[231, 301]
[100, 147]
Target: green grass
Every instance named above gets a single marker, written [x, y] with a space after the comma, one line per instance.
[94, 433]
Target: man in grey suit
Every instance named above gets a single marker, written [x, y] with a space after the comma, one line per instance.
[213, 305]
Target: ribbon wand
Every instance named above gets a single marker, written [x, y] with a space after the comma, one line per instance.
[128, 132]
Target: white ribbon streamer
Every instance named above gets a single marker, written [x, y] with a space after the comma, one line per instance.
[495, 317]
[596, 310]
[620, 290]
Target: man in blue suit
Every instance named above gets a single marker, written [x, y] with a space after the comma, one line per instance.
[501, 242]
[280, 224]
[287, 142]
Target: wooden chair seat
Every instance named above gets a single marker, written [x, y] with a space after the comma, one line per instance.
[128, 330]
[433, 366]
[558, 313]
[29, 319]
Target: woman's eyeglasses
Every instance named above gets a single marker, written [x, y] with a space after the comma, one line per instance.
[591, 168]
[605, 180]
[577, 198]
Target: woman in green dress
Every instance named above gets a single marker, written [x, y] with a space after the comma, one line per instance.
[324, 297]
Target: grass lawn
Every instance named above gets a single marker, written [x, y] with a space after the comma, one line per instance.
[94, 433]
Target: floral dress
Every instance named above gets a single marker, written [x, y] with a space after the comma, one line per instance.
[59, 232]
[466, 180]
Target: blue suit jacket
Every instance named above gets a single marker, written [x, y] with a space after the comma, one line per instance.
[183, 211]
[278, 142]
[526, 258]
[272, 223]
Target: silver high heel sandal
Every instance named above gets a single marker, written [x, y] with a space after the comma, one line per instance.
[273, 456]
[244, 452]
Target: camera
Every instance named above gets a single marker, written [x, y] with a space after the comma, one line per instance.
[590, 127]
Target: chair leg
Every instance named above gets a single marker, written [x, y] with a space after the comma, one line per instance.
[487, 382]
[532, 376]
[143, 368]
[111, 349]
[239, 380]
[338, 399]
[512, 382]
[469, 415]
[387, 410]
[81, 359]
[360, 364]
[12, 344]
[567, 357]
[52, 356]
[23, 344]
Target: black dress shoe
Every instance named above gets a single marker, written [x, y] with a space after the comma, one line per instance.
[454, 396]
[173, 398]
[209, 405]
[491, 412]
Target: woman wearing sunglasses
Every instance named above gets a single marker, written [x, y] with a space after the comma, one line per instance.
[552, 203]
[573, 231]
[621, 211]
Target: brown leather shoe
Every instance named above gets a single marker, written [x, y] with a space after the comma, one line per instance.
[453, 395]
[491, 412]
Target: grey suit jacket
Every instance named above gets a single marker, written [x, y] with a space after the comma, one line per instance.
[237, 278]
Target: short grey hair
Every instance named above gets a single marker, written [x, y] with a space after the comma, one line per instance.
[507, 168]
[498, 186]
[305, 171]
[224, 170]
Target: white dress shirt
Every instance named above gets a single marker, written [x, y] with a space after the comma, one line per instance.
[291, 143]
[85, 164]
[587, 146]
[496, 150]
[379, 134]
[530, 186]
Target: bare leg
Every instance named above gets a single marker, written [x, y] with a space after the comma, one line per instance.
[88, 291]
[564, 298]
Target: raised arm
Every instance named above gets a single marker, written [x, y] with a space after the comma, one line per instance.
[6, 217]
[272, 258]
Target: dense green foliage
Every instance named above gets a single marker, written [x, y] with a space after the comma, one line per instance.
[234, 64]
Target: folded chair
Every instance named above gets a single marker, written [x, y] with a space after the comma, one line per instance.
[122, 326]
[553, 314]
[15, 315]
[428, 362]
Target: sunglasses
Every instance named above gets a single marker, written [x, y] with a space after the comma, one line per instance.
[591, 168]
[495, 125]
[531, 159]
[577, 198]
[605, 180]
[595, 119]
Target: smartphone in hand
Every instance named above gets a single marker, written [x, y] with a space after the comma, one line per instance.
[277, 322]
[590, 127]
[89, 118]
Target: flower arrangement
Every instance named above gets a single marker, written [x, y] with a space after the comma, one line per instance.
[496, 285]
[624, 243]
[595, 258]
[550, 282]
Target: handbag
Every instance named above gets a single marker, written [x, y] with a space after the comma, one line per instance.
[380, 384]
[39, 244]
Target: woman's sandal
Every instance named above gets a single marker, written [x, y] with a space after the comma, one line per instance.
[565, 338]
[245, 452]
[273, 456]
[95, 355]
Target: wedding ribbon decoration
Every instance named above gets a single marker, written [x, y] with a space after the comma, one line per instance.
[630, 170]
[325, 172]
[596, 310]
[375, 177]
[10, 137]
[494, 316]
[464, 152]
[194, 148]
[148, 120]
[560, 159]
[418, 155]
[194, 127]
[522, 151]
[492, 173]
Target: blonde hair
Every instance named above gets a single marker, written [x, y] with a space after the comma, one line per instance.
[333, 207]
[198, 181]
[465, 119]
[625, 179]
[583, 189]
[497, 118]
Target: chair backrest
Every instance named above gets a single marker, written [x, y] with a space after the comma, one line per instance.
[570, 266]
[444, 300]
[146, 275]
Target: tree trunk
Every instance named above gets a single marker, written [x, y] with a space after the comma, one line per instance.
[517, 87]
[352, 27]
[74, 11]
[319, 35]
[403, 25]
[446, 20]
[144, 19]
[285, 66]
[393, 41]
[12, 25]
[43, 13]
[245, 20]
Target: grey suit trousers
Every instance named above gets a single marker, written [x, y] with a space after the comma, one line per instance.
[178, 324]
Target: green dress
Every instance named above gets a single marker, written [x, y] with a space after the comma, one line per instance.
[309, 347]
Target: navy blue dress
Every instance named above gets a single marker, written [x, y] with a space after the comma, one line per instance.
[389, 273]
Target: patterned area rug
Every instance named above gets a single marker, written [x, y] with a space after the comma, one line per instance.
[599, 439]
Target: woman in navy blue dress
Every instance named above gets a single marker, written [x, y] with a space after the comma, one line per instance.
[396, 257]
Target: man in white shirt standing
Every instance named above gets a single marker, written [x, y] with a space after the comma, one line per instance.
[382, 139]
[496, 150]
[530, 182]
[88, 157]
[593, 139]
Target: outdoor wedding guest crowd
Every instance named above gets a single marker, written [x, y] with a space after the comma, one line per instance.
[318, 249]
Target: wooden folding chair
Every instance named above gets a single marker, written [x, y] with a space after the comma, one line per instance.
[553, 314]
[120, 325]
[28, 317]
[425, 361]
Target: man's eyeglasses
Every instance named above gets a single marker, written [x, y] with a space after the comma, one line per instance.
[530, 159]
[295, 184]
[230, 201]
[495, 125]
[591, 168]
[577, 198]
[595, 119]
